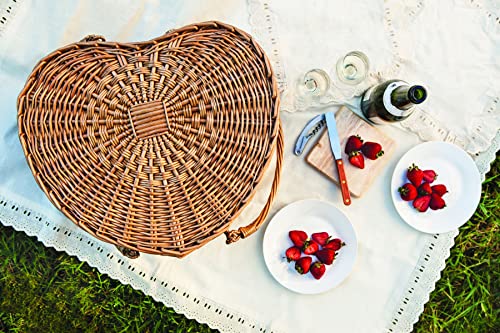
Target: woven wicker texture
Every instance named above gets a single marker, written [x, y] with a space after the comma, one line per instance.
[154, 146]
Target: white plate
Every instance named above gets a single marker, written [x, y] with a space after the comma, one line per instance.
[310, 216]
[455, 169]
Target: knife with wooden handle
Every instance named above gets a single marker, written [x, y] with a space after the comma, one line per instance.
[333, 135]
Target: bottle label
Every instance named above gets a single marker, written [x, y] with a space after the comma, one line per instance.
[387, 99]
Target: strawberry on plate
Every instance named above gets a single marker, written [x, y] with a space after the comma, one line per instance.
[356, 159]
[422, 203]
[429, 176]
[303, 264]
[372, 150]
[326, 256]
[292, 254]
[424, 189]
[454, 170]
[354, 143]
[318, 270]
[310, 247]
[298, 237]
[439, 189]
[415, 175]
[408, 192]
[334, 244]
[437, 202]
[320, 237]
[318, 218]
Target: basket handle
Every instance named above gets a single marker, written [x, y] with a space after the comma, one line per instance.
[243, 232]
[92, 38]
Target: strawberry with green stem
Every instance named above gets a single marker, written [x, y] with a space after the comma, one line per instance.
[310, 247]
[372, 150]
[303, 265]
[320, 237]
[326, 256]
[298, 237]
[356, 159]
[318, 270]
[292, 254]
[354, 143]
[429, 176]
[424, 189]
[415, 175]
[334, 244]
[439, 189]
[408, 192]
[437, 202]
[422, 203]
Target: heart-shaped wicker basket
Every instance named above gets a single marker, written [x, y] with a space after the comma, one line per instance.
[154, 146]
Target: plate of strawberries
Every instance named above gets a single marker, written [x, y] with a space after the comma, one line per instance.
[310, 246]
[436, 187]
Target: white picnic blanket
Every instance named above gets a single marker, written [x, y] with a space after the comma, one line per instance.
[453, 50]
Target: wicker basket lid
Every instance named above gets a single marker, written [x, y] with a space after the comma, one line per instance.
[154, 146]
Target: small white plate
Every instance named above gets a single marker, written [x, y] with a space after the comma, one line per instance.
[456, 170]
[310, 216]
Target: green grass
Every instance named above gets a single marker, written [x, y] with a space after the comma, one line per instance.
[467, 297]
[42, 290]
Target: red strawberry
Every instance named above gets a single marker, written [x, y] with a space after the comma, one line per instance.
[415, 175]
[424, 189]
[437, 202]
[310, 247]
[303, 264]
[422, 203]
[372, 150]
[356, 159]
[439, 189]
[320, 237]
[334, 244]
[429, 176]
[354, 143]
[298, 237]
[408, 192]
[326, 256]
[318, 270]
[292, 254]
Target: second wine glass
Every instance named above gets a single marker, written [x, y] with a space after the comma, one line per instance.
[350, 71]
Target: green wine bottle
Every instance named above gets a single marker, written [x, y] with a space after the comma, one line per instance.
[391, 101]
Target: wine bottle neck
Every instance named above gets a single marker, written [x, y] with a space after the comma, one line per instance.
[404, 97]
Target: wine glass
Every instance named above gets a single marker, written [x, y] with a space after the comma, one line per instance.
[350, 71]
[313, 85]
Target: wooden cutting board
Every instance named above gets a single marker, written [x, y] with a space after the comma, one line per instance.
[358, 180]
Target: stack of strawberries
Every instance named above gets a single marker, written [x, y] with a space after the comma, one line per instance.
[320, 244]
[355, 148]
[419, 189]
